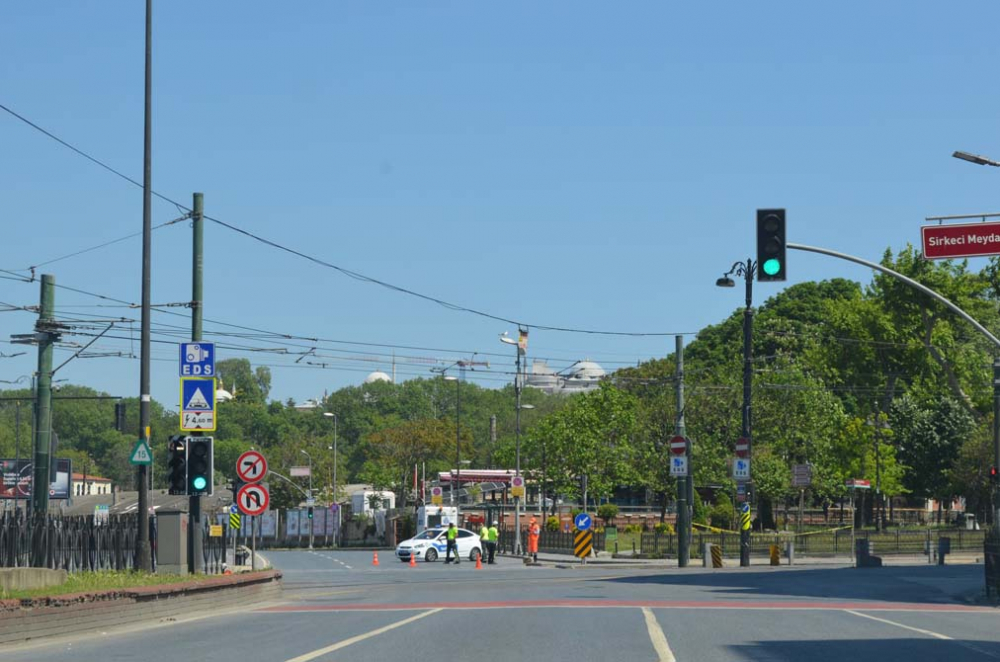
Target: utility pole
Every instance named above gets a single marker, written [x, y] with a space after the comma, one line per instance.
[143, 552]
[517, 452]
[195, 538]
[685, 497]
[46, 334]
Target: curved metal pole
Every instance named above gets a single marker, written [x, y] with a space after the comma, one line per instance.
[909, 281]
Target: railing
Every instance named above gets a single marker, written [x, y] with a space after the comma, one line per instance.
[548, 541]
[830, 543]
[69, 543]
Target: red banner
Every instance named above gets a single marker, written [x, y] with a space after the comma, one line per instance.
[960, 240]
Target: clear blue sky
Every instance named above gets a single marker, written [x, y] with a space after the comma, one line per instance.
[581, 164]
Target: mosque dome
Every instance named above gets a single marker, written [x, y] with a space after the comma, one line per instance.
[378, 376]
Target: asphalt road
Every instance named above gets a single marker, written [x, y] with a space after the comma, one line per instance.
[337, 606]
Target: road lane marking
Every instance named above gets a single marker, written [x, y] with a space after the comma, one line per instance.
[660, 645]
[361, 637]
[899, 625]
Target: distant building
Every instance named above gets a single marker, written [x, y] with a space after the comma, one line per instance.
[581, 377]
[378, 376]
[91, 486]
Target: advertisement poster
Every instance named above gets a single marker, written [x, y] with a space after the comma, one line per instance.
[292, 526]
[268, 524]
[17, 478]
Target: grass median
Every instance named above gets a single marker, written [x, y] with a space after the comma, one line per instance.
[96, 582]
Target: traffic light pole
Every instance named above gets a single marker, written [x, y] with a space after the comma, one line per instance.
[748, 270]
[195, 532]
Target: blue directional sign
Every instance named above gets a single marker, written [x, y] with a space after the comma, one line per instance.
[197, 359]
[583, 522]
[745, 508]
[233, 509]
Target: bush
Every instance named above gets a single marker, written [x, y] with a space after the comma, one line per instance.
[663, 528]
[700, 511]
[552, 523]
[607, 512]
[633, 528]
[721, 514]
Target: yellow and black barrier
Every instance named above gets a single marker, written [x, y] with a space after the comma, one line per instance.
[583, 543]
[716, 556]
[775, 555]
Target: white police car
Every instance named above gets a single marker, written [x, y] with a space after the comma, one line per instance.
[432, 544]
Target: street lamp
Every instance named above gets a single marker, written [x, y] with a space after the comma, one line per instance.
[978, 160]
[458, 440]
[334, 478]
[745, 269]
[507, 340]
[995, 488]
[302, 450]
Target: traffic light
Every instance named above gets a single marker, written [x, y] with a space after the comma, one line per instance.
[120, 416]
[177, 464]
[770, 245]
[993, 475]
[310, 512]
[200, 466]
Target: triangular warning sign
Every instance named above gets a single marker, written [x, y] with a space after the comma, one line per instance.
[197, 401]
[141, 453]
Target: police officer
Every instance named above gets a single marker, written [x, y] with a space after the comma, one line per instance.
[494, 534]
[452, 535]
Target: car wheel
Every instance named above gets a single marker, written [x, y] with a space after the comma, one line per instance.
[474, 554]
[431, 555]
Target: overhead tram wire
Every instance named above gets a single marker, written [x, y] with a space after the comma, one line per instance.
[347, 272]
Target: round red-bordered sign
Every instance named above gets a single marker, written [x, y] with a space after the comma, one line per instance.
[253, 499]
[678, 445]
[251, 467]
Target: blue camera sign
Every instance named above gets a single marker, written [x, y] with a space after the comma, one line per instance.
[197, 359]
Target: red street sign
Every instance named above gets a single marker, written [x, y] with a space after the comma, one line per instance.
[253, 499]
[678, 445]
[960, 240]
[742, 447]
[859, 483]
[251, 467]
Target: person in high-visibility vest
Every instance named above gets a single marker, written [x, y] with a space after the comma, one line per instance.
[494, 537]
[534, 531]
[452, 535]
[484, 540]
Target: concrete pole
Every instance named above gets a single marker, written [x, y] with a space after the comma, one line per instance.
[747, 399]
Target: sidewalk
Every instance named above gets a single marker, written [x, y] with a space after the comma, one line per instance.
[605, 559]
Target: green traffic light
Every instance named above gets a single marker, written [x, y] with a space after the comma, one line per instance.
[772, 267]
[199, 482]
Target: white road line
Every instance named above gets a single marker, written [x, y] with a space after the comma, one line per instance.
[660, 645]
[361, 637]
[899, 625]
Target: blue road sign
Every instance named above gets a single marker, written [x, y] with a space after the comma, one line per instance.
[197, 359]
[745, 508]
[233, 509]
[197, 404]
[583, 522]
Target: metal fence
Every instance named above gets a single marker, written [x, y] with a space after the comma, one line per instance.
[548, 541]
[827, 543]
[69, 543]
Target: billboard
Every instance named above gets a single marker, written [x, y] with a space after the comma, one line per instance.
[17, 479]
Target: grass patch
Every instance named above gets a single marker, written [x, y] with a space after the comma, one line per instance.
[93, 582]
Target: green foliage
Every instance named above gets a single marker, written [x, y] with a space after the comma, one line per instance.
[633, 528]
[722, 514]
[552, 523]
[607, 512]
[663, 528]
[700, 512]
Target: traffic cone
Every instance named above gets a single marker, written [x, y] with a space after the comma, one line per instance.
[413, 560]
[479, 561]
[375, 558]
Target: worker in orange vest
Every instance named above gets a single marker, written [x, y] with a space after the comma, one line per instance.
[533, 532]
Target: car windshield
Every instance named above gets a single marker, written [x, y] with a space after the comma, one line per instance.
[429, 534]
